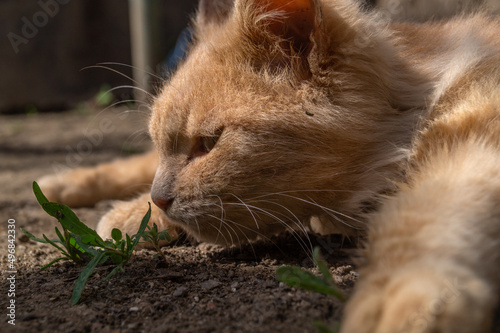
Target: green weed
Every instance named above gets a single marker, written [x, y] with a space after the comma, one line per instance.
[298, 277]
[154, 237]
[83, 245]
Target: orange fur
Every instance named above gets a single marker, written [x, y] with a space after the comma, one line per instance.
[262, 130]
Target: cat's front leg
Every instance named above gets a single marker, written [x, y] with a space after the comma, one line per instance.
[127, 216]
[420, 298]
[119, 179]
[432, 258]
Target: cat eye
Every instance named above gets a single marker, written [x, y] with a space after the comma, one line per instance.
[206, 144]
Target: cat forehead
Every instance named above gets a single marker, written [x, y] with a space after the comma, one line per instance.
[206, 85]
[219, 86]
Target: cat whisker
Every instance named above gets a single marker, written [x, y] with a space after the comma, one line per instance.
[96, 116]
[249, 210]
[136, 138]
[156, 76]
[197, 225]
[302, 244]
[228, 226]
[221, 206]
[115, 104]
[301, 191]
[150, 95]
[101, 66]
[298, 222]
[240, 227]
[336, 213]
[311, 202]
[219, 233]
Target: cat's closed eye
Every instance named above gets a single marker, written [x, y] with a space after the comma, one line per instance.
[206, 144]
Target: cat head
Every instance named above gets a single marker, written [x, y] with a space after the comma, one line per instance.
[280, 112]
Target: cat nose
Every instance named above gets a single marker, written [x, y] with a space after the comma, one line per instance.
[163, 203]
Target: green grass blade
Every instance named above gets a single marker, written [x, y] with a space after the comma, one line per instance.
[49, 241]
[84, 248]
[54, 261]
[324, 328]
[322, 266]
[68, 219]
[299, 278]
[63, 214]
[164, 235]
[129, 241]
[142, 227]
[33, 237]
[117, 269]
[82, 279]
[40, 197]
[63, 241]
[89, 240]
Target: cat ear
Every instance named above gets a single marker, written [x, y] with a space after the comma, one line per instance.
[293, 20]
[214, 11]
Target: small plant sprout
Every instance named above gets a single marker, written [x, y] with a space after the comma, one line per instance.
[298, 277]
[83, 245]
[154, 237]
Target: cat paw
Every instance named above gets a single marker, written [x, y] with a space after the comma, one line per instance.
[127, 216]
[73, 188]
[420, 301]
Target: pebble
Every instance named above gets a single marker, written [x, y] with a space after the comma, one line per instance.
[134, 309]
[181, 291]
[27, 316]
[209, 284]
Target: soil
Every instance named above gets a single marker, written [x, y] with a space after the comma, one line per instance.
[202, 288]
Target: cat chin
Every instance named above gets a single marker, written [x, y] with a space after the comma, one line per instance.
[226, 233]
[216, 237]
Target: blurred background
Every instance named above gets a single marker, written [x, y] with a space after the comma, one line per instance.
[48, 45]
[52, 52]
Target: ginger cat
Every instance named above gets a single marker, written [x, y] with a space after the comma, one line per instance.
[292, 109]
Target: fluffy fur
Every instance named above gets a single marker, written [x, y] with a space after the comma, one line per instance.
[425, 10]
[288, 110]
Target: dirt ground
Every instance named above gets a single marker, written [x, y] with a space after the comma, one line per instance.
[202, 288]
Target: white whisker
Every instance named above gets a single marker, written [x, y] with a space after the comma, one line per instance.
[251, 213]
[327, 209]
[132, 67]
[298, 222]
[110, 69]
[133, 87]
[299, 240]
